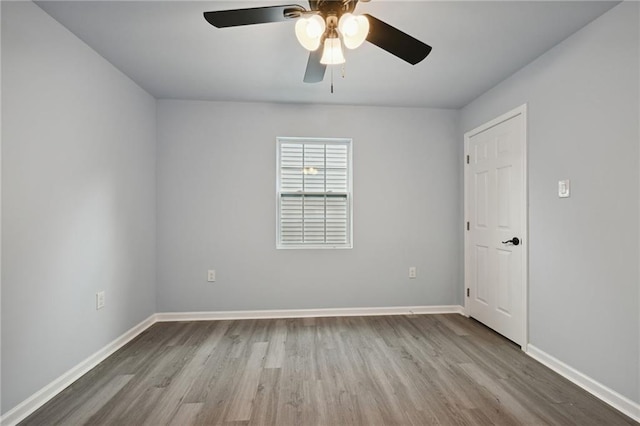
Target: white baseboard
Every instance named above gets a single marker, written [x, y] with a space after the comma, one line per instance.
[611, 397]
[38, 399]
[306, 313]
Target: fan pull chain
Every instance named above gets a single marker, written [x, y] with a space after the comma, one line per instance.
[342, 73]
[331, 79]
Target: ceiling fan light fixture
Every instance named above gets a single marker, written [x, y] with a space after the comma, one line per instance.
[309, 31]
[332, 53]
[354, 29]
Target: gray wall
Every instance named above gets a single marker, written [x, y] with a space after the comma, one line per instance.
[78, 200]
[216, 209]
[79, 204]
[583, 109]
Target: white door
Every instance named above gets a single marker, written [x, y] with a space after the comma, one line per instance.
[496, 215]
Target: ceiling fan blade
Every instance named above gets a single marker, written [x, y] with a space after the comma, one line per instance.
[396, 42]
[315, 70]
[254, 15]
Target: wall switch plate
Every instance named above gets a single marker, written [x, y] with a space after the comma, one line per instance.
[211, 275]
[564, 188]
[413, 272]
[99, 300]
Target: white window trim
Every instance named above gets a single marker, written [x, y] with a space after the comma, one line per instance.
[343, 141]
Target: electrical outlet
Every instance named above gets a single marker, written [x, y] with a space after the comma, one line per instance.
[564, 188]
[211, 275]
[99, 300]
[413, 272]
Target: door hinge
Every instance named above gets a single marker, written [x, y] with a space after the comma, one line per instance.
[467, 292]
[468, 226]
[467, 159]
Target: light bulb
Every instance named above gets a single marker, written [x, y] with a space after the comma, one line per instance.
[309, 31]
[354, 29]
[348, 25]
[332, 53]
[315, 26]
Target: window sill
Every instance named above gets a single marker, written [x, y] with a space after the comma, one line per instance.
[314, 247]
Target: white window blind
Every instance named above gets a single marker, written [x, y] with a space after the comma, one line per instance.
[314, 193]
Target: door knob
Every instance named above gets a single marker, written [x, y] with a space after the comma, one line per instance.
[515, 241]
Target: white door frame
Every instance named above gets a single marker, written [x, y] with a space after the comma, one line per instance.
[521, 110]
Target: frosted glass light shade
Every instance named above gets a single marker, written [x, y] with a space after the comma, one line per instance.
[354, 29]
[309, 31]
[332, 53]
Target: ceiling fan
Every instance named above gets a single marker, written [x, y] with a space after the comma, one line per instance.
[327, 23]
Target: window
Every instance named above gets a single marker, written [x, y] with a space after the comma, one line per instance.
[314, 193]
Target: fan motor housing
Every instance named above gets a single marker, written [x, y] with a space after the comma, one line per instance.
[334, 7]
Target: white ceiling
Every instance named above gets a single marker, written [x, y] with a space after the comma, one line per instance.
[171, 51]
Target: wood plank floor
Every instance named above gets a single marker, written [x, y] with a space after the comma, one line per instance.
[386, 370]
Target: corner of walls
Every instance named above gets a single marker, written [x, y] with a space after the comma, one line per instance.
[460, 289]
[155, 208]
